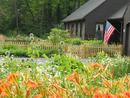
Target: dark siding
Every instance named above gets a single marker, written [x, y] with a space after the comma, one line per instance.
[102, 13]
[127, 41]
[127, 16]
[126, 35]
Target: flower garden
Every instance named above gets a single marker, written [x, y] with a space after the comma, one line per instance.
[64, 76]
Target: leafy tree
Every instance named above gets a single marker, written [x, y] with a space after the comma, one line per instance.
[36, 16]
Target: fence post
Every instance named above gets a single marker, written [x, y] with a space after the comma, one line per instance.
[82, 51]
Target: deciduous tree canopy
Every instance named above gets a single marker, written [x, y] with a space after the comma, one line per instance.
[36, 16]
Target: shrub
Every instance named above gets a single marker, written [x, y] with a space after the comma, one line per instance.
[58, 35]
[74, 41]
[95, 42]
[78, 41]
[63, 64]
[33, 52]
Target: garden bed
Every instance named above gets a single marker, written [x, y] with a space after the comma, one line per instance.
[64, 76]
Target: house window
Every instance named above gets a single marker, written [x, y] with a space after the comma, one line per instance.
[99, 31]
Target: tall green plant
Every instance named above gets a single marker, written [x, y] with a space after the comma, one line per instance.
[119, 65]
[63, 65]
[58, 35]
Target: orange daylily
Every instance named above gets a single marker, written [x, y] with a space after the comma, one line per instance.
[96, 65]
[74, 77]
[38, 96]
[11, 78]
[119, 96]
[4, 94]
[55, 96]
[3, 87]
[116, 83]
[32, 84]
[108, 95]
[99, 95]
[86, 91]
[27, 93]
[127, 79]
[106, 83]
[127, 94]
[59, 88]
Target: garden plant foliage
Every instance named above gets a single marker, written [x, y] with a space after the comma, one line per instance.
[64, 76]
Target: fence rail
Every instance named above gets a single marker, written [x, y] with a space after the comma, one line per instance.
[82, 51]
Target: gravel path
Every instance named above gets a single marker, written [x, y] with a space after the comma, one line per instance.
[42, 60]
[38, 60]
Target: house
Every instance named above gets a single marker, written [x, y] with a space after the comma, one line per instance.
[126, 37]
[88, 21]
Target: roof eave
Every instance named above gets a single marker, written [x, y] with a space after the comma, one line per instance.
[65, 21]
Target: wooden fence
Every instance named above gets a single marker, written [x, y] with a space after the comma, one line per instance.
[82, 51]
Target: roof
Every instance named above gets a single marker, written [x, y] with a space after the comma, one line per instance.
[119, 14]
[84, 10]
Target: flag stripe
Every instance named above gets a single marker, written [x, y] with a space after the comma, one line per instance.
[108, 32]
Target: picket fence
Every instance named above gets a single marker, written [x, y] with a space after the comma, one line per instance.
[83, 51]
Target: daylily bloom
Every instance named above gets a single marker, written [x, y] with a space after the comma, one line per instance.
[96, 65]
[127, 79]
[3, 87]
[4, 94]
[74, 77]
[55, 96]
[106, 83]
[127, 94]
[119, 96]
[11, 78]
[38, 96]
[99, 95]
[28, 93]
[59, 88]
[86, 91]
[32, 84]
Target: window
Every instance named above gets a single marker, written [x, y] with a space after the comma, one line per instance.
[99, 30]
[100, 27]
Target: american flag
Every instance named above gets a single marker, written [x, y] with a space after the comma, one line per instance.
[109, 29]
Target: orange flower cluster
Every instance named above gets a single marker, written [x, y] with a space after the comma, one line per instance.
[55, 96]
[11, 79]
[107, 83]
[59, 92]
[31, 84]
[120, 88]
[108, 95]
[74, 77]
[86, 91]
[96, 65]
[38, 96]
